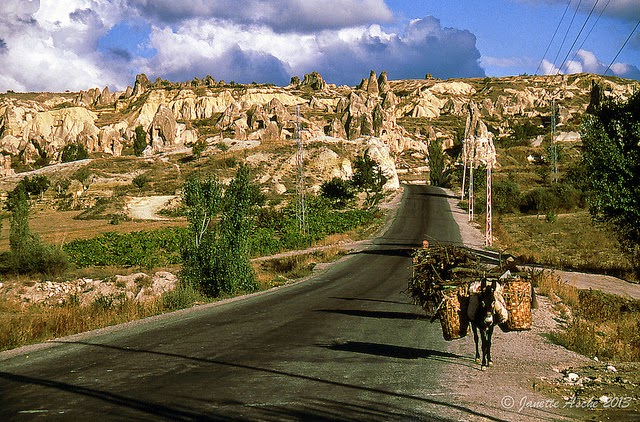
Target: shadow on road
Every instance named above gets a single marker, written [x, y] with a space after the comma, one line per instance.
[376, 314]
[175, 413]
[404, 252]
[391, 351]
[369, 300]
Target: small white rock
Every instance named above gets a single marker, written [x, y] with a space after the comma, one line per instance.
[573, 377]
[611, 368]
[604, 399]
[596, 359]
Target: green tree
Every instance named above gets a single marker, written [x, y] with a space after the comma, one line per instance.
[611, 158]
[20, 233]
[240, 201]
[216, 257]
[140, 141]
[36, 185]
[505, 196]
[368, 177]
[338, 191]
[27, 254]
[437, 175]
[198, 148]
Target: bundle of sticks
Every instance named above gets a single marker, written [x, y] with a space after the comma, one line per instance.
[437, 268]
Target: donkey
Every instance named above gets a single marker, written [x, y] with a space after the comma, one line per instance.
[484, 317]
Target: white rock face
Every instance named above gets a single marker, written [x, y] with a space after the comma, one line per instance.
[379, 152]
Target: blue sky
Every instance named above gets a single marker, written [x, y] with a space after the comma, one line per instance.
[57, 45]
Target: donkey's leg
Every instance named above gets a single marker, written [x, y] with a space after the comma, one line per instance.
[475, 338]
[489, 336]
[485, 349]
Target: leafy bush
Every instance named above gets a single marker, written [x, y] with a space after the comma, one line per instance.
[506, 196]
[216, 256]
[74, 152]
[183, 296]
[338, 191]
[27, 253]
[559, 197]
[140, 181]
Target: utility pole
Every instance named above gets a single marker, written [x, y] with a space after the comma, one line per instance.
[489, 224]
[471, 198]
[464, 165]
[301, 212]
[554, 153]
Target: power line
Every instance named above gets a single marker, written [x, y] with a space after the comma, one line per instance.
[578, 36]
[566, 34]
[553, 37]
[591, 30]
[621, 48]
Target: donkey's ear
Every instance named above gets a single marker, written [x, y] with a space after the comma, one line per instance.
[483, 284]
[494, 285]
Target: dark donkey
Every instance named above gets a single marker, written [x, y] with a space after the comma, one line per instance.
[484, 317]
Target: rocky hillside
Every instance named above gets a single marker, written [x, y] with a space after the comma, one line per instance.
[392, 121]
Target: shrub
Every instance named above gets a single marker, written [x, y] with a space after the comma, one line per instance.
[338, 191]
[140, 141]
[183, 296]
[140, 181]
[74, 152]
[558, 197]
[506, 196]
[216, 256]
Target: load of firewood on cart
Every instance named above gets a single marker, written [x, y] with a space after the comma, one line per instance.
[444, 278]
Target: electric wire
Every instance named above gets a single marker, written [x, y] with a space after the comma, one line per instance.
[621, 48]
[554, 36]
[578, 36]
[590, 30]
[566, 34]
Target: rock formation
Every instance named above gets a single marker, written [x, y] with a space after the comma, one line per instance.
[141, 85]
[314, 81]
[5, 166]
[391, 119]
[162, 131]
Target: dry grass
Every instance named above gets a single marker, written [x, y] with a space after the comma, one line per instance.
[572, 242]
[280, 271]
[596, 323]
[26, 324]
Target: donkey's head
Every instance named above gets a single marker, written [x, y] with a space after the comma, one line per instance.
[487, 302]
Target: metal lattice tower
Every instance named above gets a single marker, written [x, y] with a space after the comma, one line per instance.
[471, 196]
[489, 224]
[301, 211]
[464, 166]
[554, 153]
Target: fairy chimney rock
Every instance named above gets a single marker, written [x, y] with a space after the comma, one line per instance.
[372, 84]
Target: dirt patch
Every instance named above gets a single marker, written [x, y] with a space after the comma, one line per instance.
[146, 208]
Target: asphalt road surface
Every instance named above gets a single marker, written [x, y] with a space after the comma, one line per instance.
[346, 344]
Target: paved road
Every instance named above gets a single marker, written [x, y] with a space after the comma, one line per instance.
[346, 345]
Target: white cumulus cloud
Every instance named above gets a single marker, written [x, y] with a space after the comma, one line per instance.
[247, 53]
